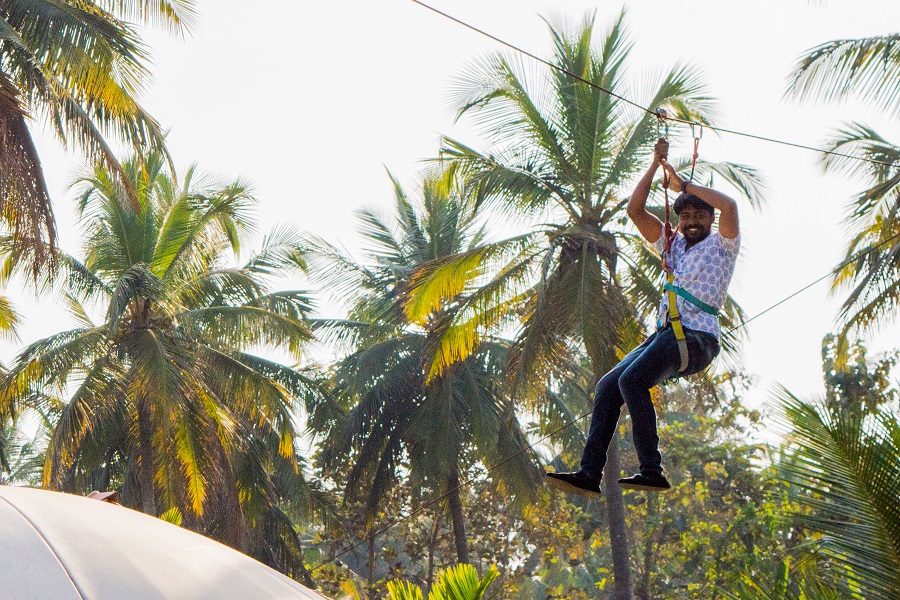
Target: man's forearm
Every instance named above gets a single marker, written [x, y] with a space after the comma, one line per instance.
[649, 226]
[729, 225]
[637, 205]
[714, 198]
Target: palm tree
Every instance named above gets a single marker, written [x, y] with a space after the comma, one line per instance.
[563, 151]
[868, 68]
[403, 416]
[849, 465]
[79, 66]
[165, 397]
[21, 456]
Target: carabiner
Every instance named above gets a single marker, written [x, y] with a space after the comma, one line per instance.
[694, 135]
[661, 120]
[696, 154]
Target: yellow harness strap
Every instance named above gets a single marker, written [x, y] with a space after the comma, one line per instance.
[675, 320]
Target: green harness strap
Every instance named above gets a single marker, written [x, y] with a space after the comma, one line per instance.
[707, 308]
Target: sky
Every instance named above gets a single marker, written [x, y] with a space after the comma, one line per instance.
[311, 102]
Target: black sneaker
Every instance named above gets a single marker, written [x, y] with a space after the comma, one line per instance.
[652, 482]
[575, 483]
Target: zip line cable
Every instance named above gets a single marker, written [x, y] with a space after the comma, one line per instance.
[576, 419]
[729, 332]
[809, 285]
[635, 104]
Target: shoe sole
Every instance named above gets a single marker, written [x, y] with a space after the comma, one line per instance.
[564, 486]
[638, 486]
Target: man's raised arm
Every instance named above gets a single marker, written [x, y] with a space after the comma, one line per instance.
[647, 223]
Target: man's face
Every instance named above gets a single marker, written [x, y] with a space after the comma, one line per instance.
[695, 224]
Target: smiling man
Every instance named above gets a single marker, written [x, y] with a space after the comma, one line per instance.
[702, 263]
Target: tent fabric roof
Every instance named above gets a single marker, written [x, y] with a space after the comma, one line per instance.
[61, 547]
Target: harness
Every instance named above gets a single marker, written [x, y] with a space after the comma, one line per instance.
[672, 290]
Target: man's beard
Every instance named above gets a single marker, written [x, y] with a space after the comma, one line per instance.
[695, 234]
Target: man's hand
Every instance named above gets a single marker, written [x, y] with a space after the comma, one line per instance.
[661, 151]
[675, 182]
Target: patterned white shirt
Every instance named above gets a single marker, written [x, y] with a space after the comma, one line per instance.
[704, 271]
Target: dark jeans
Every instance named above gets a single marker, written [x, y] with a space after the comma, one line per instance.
[630, 382]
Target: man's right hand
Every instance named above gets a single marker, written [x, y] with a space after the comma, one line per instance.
[660, 151]
[676, 183]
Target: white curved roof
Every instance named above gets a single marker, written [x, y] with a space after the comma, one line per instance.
[61, 547]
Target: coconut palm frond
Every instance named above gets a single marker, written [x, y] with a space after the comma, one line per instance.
[457, 334]
[642, 277]
[9, 319]
[245, 326]
[52, 360]
[282, 251]
[90, 405]
[872, 275]
[504, 177]
[445, 278]
[878, 310]
[220, 216]
[25, 198]
[866, 67]
[178, 16]
[218, 287]
[859, 140]
[851, 467]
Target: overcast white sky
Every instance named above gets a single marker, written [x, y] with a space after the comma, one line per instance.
[310, 101]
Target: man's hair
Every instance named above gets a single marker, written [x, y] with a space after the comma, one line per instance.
[684, 200]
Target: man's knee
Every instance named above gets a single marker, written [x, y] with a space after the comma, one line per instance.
[607, 391]
[632, 380]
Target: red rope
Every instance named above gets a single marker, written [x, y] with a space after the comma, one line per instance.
[669, 231]
[662, 119]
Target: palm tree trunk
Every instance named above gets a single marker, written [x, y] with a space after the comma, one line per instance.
[104, 472]
[148, 491]
[458, 519]
[652, 526]
[623, 589]
[371, 592]
[618, 532]
[431, 544]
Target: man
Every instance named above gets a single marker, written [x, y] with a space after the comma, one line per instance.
[703, 262]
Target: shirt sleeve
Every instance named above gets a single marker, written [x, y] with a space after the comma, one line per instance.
[660, 244]
[730, 245]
